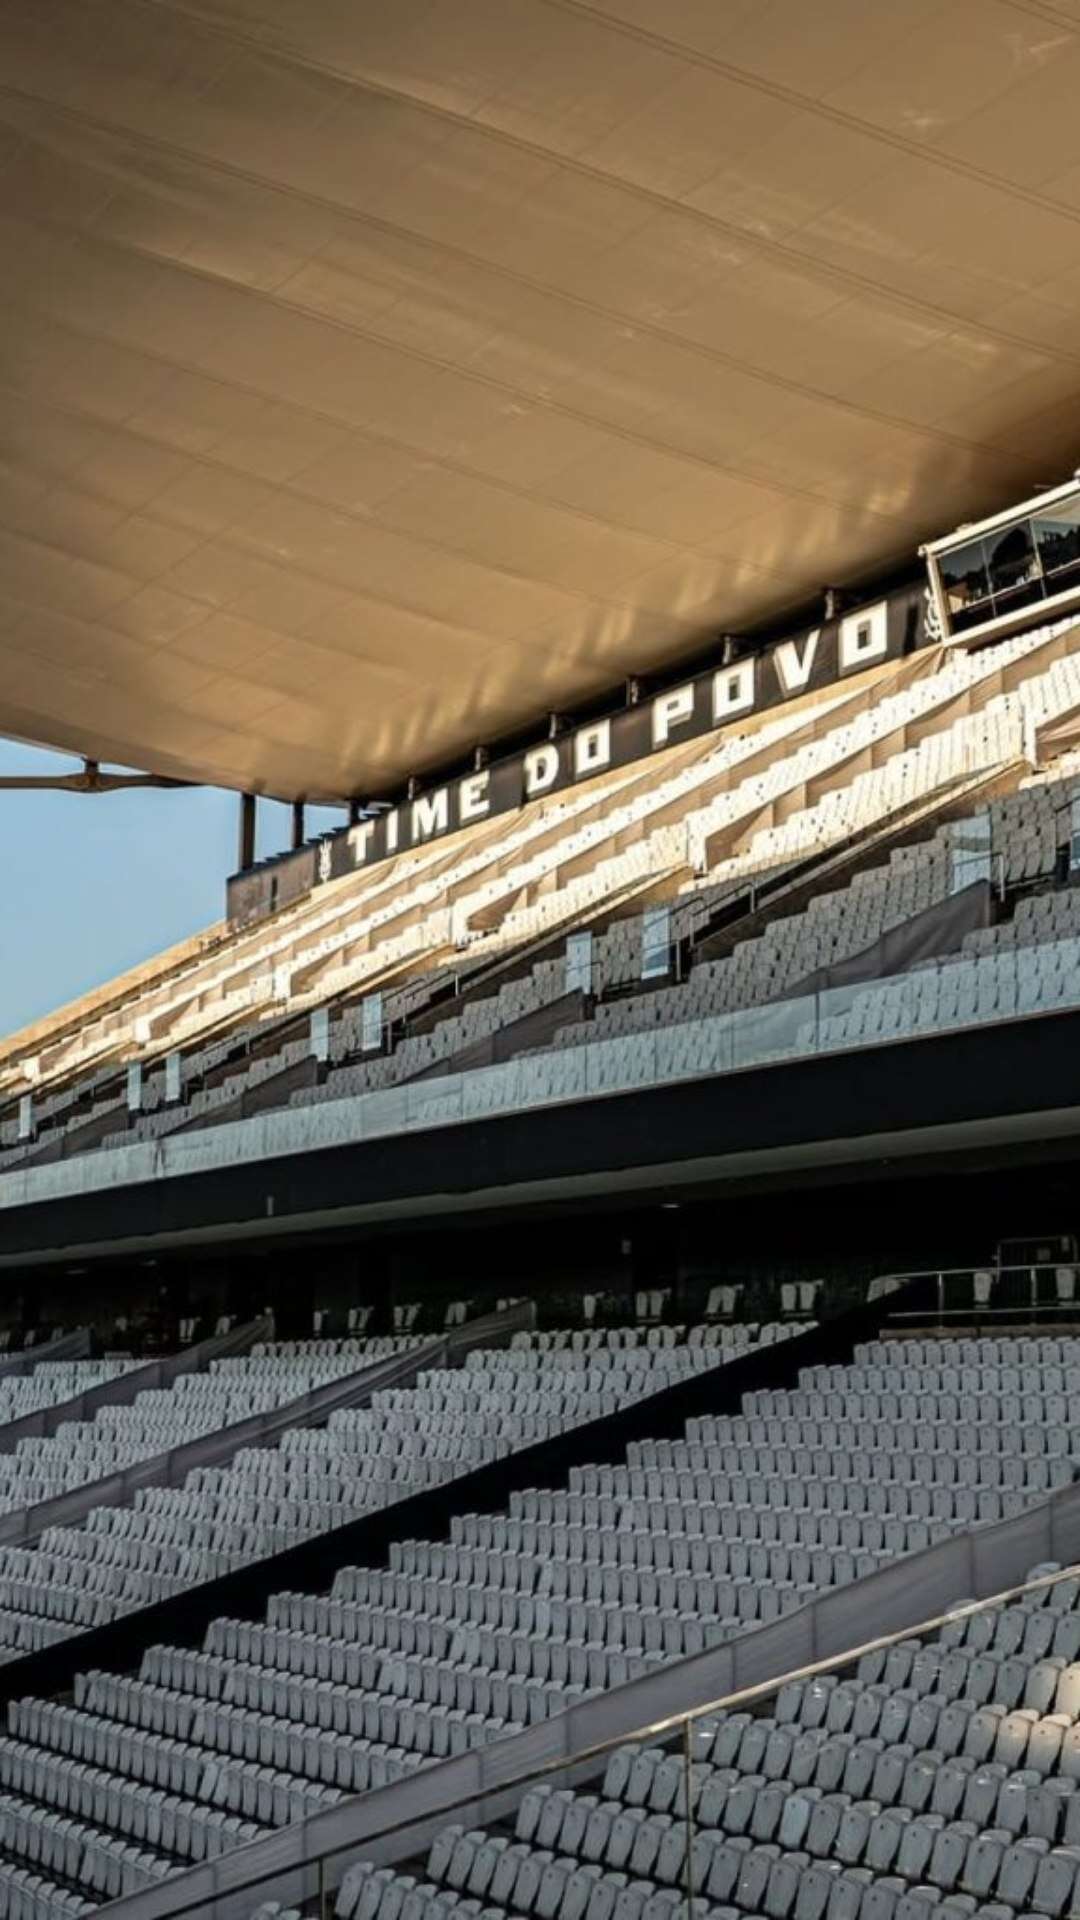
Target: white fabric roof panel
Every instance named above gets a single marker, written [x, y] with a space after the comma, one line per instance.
[375, 377]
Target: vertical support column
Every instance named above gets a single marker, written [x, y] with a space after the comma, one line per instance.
[688, 1813]
[655, 942]
[245, 853]
[1074, 835]
[135, 1087]
[319, 1037]
[579, 962]
[970, 845]
[297, 824]
[371, 1023]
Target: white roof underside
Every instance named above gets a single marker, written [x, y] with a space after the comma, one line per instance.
[374, 377]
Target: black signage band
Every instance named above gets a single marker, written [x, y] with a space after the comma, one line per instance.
[709, 702]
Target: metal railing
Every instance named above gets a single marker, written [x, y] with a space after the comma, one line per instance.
[220, 1445]
[908, 1597]
[64, 1346]
[162, 1371]
[264, 1428]
[830, 1021]
[990, 1294]
[673, 1726]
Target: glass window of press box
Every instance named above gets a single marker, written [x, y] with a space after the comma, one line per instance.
[1033, 558]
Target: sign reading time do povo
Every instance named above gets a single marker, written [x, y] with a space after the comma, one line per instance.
[707, 702]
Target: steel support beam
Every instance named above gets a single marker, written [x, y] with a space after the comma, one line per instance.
[245, 854]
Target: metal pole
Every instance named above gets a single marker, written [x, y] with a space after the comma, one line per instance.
[245, 853]
[688, 1778]
[940, 1298]
[323, 1910]
[297, 824]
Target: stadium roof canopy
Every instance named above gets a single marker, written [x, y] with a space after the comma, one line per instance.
[376, 375]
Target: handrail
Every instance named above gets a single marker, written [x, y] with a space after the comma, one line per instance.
[223, 1889]
[311, 1564]
[66, 1346]
[491, 1329]
[982, 1266]
[813, 867]
[938, 1278]
[170, 1468]
[127, 1386]
[908, 1595]
[698, 1049]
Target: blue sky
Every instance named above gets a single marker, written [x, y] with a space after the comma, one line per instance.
[91, 884]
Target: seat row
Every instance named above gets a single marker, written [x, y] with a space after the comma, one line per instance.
[517, 1615]
[930, 1774]
[266, 1498]
[988, 1418]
